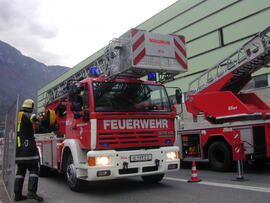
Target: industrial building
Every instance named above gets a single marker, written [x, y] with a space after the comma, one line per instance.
[212, 28]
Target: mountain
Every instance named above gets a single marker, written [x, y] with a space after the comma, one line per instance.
[22, 75]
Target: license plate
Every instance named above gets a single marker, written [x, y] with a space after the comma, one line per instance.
[140, 157]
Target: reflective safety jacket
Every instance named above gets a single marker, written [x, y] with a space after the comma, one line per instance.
[26, 149]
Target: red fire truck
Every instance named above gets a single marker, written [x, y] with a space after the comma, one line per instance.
[107, 123]
[228, 124]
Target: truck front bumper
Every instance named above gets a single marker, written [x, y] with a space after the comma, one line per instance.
[129, 163]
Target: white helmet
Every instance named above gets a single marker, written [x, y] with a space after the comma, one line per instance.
[28, 103]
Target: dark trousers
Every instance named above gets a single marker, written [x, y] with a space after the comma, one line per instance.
[32, 166]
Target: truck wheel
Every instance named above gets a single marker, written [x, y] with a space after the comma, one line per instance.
[73, 182]
[150, 179]
[220, 157]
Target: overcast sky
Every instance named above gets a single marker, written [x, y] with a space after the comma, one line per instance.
[65, 32]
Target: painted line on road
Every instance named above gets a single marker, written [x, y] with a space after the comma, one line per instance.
[241, 187]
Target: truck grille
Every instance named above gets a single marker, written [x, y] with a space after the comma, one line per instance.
[134, 139]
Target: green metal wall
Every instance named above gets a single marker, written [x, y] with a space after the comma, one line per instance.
[203, 22]
[213, 29]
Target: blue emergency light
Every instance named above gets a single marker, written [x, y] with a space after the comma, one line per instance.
[93, 71]
[152, 76]
[168, 141]
[105, 144]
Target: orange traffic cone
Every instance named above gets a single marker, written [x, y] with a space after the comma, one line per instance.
[194, 175]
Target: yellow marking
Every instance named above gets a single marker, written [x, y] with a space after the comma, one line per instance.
[19, 121]
[19, 141]
[19, 128]
[52, 117]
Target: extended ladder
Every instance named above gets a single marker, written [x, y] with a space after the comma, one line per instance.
[135, 54]
[252, 56]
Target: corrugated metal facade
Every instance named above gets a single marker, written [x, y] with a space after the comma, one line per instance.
[213, 29]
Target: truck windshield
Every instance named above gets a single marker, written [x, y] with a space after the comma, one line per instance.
[130, 97]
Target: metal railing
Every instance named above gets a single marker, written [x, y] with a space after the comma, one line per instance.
[251, 50]
[9, 148]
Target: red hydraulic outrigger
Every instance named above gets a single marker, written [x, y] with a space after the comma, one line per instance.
[216, 93]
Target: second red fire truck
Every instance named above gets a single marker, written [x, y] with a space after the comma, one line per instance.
[228, 124]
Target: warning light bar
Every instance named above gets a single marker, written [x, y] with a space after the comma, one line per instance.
[94, 71]
[152, 76]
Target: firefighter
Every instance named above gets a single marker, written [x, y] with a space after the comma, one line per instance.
[27, 157]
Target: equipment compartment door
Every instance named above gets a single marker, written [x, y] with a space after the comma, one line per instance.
[49, 154]
[191, 145]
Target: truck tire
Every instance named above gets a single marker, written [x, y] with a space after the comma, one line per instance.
[150, 179]
[220, 156]
[73, 182]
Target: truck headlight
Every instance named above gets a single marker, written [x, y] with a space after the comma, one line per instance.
[100, 161]
[104, 161]
[171, 156]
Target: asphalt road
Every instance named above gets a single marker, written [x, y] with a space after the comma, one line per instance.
[214, 187]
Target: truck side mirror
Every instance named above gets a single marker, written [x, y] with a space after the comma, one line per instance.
[73, 93]
[178, 96]
[86, 116]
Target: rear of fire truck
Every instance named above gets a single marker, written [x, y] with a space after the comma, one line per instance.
[111, 124]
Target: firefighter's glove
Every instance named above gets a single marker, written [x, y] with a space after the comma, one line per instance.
[33, 118]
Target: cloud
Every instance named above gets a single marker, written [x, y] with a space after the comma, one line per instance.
[21, 26]
[16, 13]
[6, 9]
[66, 32]
[20, 15]
[43, 31]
